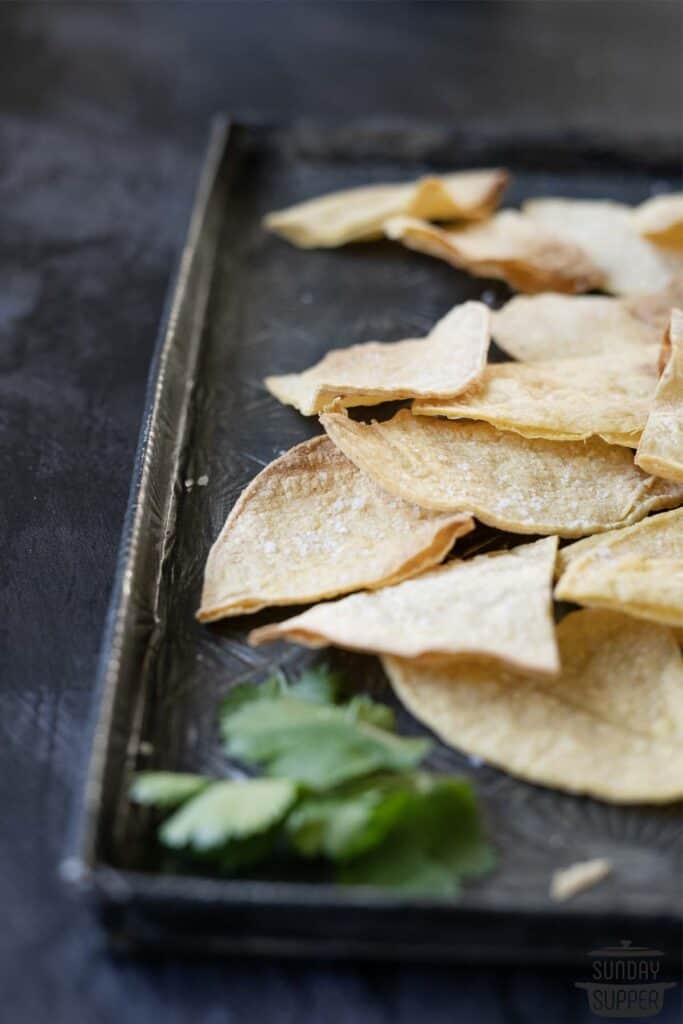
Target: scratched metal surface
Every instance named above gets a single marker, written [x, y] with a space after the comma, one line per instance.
[271, 309]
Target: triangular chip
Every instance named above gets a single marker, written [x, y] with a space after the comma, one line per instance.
[610, 725]
[661, 219]
[509, 246]
[606, 233]
[638, 570]
[357, 214]
[446, 362]
[570, 488]
[562, 399]
[550, 326]
[661, 447]
[496, 606]
[310, 526]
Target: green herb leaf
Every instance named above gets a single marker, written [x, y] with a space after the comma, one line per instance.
[362, 709]
[232, 810]
[349, 820]
[436, 841]
[319, 684]
[166, 789]
[316, 744]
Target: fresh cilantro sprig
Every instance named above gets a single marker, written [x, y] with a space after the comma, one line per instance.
[339, 785]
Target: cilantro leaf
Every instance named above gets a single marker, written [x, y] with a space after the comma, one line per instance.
[166, 789]
[436, 841]
[362, 709]
[349, 820]
[316, 744]
[231, 810]
[319, 684]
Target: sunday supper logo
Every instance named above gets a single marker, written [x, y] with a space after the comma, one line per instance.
[625, 982]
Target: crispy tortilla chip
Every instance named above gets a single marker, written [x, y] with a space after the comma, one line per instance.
[357, 214]
[605, 232]
[446, 362]
[638, 570]
[661, 447]
[562, 399]
[534, 328]
[496, 606]
[312, 526]
[610, 725]
[509, 246]
[570, 881]
[568, 488]
[661, 220]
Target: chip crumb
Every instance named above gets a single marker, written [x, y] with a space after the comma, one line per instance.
[570, 881]
[202, 481]
[189, 484]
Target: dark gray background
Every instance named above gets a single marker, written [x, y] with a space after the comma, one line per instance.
[103, 115]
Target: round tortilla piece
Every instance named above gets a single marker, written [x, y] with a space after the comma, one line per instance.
[610, 725]
[561, 399]
[508, 246]
[311, 525]
[449, 360]
[357, 214]
[495, 606]
[525, 486]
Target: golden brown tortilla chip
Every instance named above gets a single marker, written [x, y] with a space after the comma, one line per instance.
[610, 725]
[606, 233]
[357, 214]
[638, 570]
[661, 447]
[661, 219]
[570, 488]
[310, 526]
[562, 399]
[446, 362]
[496, 606]
[550, 326]
[509, 246]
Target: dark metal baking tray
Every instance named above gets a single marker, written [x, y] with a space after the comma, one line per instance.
[244, 303]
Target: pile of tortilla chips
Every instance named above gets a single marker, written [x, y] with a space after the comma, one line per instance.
[579, 436]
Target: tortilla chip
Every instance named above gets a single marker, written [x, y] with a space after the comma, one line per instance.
[496, 606]
[638, 570]
[655, 309]
[610, 725]
[661, 220]
[661, 447]
[357, 214]
[509, 246]
[505, 480]
[570, 881]
[562, 399]
[310, 526]
[446, 362]
[606, 233]
[539, 327]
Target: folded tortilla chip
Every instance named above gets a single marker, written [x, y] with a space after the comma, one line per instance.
[549, 326]
[638, 570]
[570, 488]
[446, 362]
[561, 399]
[509, 246]
[661, 219]
[357, 214]
[606, 233]
[496, 606]
[661, 447]
[610, 725]
[310, 526]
